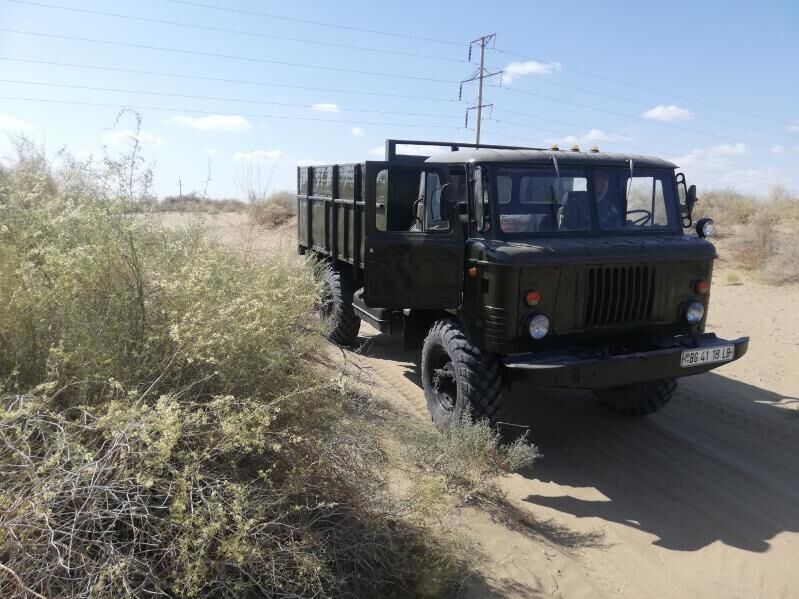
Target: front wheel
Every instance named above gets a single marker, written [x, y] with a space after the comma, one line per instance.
[458, 378]
[640, 399]
[335, 307]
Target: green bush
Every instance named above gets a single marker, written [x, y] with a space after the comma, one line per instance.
[168, 425]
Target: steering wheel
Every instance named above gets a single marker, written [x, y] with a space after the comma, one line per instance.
[640, 221]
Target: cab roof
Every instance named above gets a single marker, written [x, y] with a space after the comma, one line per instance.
[564, 157]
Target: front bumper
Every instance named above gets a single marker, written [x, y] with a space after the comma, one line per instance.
[564, 369]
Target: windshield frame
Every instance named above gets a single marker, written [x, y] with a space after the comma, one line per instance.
[595, 230]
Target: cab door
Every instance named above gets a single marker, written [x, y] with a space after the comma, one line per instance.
[413, 252]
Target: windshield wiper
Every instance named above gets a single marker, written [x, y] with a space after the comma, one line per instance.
[554, 193]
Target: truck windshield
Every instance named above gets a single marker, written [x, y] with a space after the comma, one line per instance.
[647, 199]
[543, 200]
[533, 200]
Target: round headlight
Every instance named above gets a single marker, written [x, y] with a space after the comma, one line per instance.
[539, 326]
[694, 312]
[706, 227]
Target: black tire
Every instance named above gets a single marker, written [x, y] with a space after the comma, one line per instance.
[641, 399]
[458, 378]
[335, 307]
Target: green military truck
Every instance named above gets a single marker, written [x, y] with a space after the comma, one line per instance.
[562, 268]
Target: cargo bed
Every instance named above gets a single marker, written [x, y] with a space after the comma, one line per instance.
[330, 211]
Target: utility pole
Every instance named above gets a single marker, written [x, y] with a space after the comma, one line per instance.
[180, 188]
[478, 76]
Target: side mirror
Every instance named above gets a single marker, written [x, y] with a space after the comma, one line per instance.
[690, 199]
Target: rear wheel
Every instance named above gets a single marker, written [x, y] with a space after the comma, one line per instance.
[640, 399]
[335, 307]
[458, 378]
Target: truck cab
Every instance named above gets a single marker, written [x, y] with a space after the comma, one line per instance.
[563, 268]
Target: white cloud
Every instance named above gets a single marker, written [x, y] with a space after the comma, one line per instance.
[671, 112]
[260, 156]
[738, 149]
[781, 149]
[358, 132]
[212, 151]
[793, 127]
[378, 151]
[310, 162]
[214, 122]
[9, 123]
[125, 138]
[591, 137]
[531, 67]
[324, 107]
[717, 167]
[754, 180]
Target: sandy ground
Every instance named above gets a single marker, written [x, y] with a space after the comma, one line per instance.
[699, 500]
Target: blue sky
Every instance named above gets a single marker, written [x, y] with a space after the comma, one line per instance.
[711, 85]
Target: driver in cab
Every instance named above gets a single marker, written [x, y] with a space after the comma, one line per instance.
[607, 201]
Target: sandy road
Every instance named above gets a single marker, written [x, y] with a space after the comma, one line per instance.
[700, 500]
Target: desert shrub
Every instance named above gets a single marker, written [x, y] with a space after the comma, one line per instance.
[466, 458]
[761, 232]
[167, 424]
[727, 207]
[194, 202]
[732, 278]
[757, 244]
[277, 209]
[783, 265]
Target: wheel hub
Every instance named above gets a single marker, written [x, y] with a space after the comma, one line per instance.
[443, 381]
[325, 303]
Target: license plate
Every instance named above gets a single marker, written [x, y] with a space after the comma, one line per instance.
[708, 355]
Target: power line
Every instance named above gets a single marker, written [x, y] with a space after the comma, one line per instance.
[225, 56]
[636, 118]
[649, 104]
[217, 98]
[623, 144]
[216, 113]
[589, 127]
[319, 23]
[528, 140]
[226, 30]
[358, 91]
[649, 89]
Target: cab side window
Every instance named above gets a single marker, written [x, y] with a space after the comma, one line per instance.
[432, 198]
[396, 193]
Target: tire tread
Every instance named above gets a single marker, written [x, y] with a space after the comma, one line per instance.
[480, 373]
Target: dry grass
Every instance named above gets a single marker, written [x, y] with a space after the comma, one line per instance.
[276, 209]
[169, 427]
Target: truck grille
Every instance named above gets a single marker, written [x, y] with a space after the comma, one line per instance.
[619, 294]
[496, 323]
